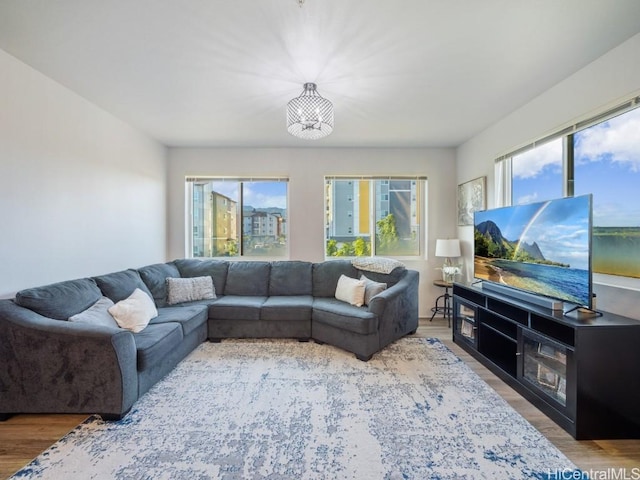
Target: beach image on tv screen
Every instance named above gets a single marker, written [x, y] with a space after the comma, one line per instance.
[542, 248]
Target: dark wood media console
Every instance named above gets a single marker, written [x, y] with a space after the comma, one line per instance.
[584, 373]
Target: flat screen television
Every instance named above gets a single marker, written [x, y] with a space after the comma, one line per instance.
[542, 248]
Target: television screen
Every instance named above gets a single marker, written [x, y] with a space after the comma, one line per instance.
[542, 248]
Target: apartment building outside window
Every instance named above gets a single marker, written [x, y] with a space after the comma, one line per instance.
[237, 217]
[373, 216]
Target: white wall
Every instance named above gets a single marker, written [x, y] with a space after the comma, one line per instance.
[604, 83]
[306, 168]
[81, 192]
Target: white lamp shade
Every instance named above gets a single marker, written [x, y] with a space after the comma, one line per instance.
[449, 248]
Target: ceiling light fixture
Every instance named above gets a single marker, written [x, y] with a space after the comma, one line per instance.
[310, 116]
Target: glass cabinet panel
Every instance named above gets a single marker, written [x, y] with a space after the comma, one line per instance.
[545, 366]
[465, 321]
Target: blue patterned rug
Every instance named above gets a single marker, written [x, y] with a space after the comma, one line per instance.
[262, 409]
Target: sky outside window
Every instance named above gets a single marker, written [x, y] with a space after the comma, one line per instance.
[607, 164]
[262, 194]
[537, 174]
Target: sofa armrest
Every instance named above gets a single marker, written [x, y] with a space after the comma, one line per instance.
[397, 308]
[64, 367]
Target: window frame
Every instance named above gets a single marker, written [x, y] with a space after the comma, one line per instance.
[504, 174]
[384, 179]
[190, 181]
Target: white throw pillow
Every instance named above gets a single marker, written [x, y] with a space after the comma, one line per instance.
[96, 314]
[135, 312]
[371, 288]
[350, 290]
[181, 290]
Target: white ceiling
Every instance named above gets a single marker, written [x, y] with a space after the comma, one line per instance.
[399, 72]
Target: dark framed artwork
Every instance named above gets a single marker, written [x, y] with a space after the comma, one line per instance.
[471, 198]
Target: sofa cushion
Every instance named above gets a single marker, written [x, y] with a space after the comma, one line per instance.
[344, 316]
[180, 290]
[237, 307]
[134, 312]
[204, 303]
[97, 314]
[60, 300]
[287, 307]
[155, 278]
[156, 342]
[291, 278]
[248, 278]
[194, 267]
[119, 285]
[189, 318]
[326, 275]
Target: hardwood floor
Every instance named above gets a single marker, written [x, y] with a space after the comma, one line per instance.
[23, 437]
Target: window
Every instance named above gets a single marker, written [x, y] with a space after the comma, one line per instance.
[600, 156]
[370, 216]
[237, 217]
[607, 164]
[537, 173]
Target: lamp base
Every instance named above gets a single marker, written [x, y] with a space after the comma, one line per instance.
[448, 277]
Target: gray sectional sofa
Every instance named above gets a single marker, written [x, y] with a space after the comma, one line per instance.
[50, 364]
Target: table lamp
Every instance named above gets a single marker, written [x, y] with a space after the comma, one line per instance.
[448, 249]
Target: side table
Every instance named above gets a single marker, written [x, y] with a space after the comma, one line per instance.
[445, 309]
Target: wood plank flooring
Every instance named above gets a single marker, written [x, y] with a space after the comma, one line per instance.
[24, 437]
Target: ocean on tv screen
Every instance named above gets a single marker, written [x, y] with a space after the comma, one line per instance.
[542, 248]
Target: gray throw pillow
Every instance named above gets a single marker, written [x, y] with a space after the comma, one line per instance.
[97, 314]
[181, 290]
[371, 289]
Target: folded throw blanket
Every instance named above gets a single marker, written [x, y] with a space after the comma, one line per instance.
[376, 264]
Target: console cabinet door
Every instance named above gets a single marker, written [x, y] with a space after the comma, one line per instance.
[465, 321]
[547, 367]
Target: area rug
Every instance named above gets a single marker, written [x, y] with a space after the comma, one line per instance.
[262, 409]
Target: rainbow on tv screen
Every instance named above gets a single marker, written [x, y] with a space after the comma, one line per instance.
[543, 248]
